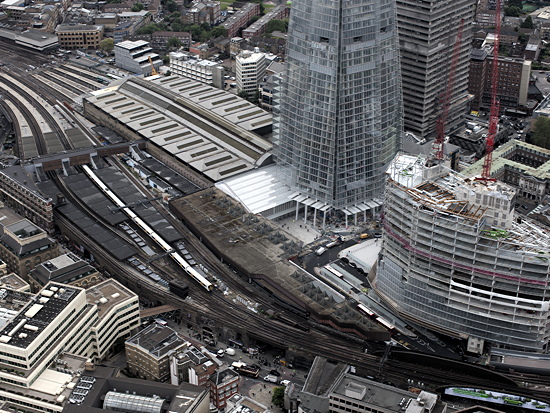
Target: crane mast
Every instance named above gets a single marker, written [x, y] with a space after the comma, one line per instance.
[442, 120]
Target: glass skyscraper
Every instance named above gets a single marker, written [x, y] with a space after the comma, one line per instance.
[338, 114]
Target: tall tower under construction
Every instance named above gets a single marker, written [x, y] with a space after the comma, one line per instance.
[338, 118]
[457, 259]
[427, 35]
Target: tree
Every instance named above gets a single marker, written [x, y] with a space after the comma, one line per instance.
[219, 31]
[277, 25]
[542, 132]
[173, 42]
[149, 29]
[512, 11]
[137, 7]
[516, 3]
[278, 397]
[527, 23]
[262, 8]
[107, 45]
[171, 6]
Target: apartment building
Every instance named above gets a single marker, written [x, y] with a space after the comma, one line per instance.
[250, 70]
[23, 245]
[202, 12]
[148, 352]
[258, 27]
[159, 40]
[456, 259]
[79, 36]
[241, 18]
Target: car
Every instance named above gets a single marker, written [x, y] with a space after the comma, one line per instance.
[364, 236]
[275, 373]
[542, 71]
[220, 353]
[377, 235]
[285, 382]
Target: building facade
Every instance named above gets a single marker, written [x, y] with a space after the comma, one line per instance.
[250, 70]
[159, 40]
[338, 122]
[257, 28]
[427, 37]
[223, 384]
[18, 192]
[205, 71]
[456, 259]
[79, 36]
[241, 18]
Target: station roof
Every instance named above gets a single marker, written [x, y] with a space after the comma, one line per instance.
[209, 129]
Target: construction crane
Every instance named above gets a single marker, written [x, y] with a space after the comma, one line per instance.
[495, 104]
[442, 120]
[153, 70]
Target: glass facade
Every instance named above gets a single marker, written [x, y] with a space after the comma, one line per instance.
[338, 114]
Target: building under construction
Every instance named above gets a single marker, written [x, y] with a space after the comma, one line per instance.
[458, 260]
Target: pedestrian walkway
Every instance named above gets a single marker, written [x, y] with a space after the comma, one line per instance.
[263, 393]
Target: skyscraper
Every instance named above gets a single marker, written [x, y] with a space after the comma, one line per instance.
[338, 117]
[427, 35]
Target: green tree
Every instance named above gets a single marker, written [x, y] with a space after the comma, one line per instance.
[527, 23]
[107, 45]
[205, 35]
[277, 25]
[137, 7]
[171, 6]
[512, 11]
[173, 42]
[541, 136]
[516, 3]
[278, 397]
[262, 8]
[149, 29]
[219, 31]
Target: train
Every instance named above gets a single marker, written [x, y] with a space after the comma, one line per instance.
[189, 270]
[363, 309]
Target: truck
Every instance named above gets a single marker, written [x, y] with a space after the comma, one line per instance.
[271, 378]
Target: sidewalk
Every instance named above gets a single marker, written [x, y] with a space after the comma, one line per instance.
[262, 393]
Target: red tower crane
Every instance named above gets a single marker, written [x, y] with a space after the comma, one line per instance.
[442, 120]
[495, 104]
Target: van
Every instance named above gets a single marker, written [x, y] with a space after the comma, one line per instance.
[320, 251]
[230, 351]
[270, 378]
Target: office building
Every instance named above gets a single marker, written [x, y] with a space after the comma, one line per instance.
[65, 269]
[223, 384]
[338, 122]
[59, 326]
[79, 36]
[148, 352]
[136, 57]
[19, 192]
[427, 37]
[513, 80]
[250, 70]
[205, 71]
[457, 260]
[24, 245]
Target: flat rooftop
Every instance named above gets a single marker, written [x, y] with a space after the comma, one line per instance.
[26, 326]
[108, 294]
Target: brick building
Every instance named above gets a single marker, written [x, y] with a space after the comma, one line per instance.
[223, 384]
[79, 36]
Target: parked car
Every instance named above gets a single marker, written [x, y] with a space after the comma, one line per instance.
[285, 382]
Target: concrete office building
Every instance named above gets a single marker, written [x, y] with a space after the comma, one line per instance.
[134, 56]
[36, 330]
[338, 122]
[79, 36]
[427, 36]
[250, 70]
[457, 260]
